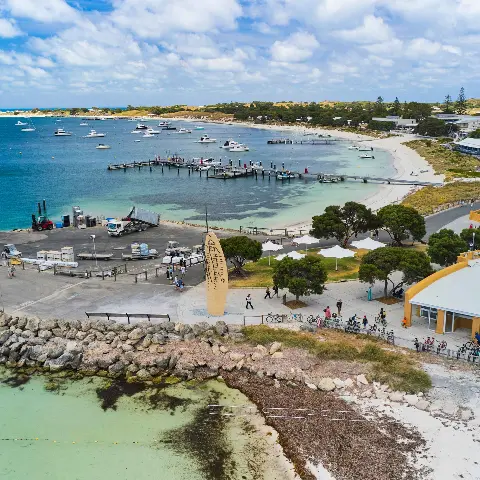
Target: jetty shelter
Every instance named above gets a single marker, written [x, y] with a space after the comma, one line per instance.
[448, 299]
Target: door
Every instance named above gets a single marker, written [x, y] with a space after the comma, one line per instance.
[449, 320]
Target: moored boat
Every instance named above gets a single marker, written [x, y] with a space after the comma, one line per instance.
[101, 146]
[206, 139]
[94, 134]
[239, 148]
[60, 132]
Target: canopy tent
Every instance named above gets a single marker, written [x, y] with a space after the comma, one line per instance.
[336, 252]
[305, 240]
[293, 255]
[368, 244]
[271, 247]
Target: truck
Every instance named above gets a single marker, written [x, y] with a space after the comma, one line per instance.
[140, 251]
[11, 251]
[138, 220]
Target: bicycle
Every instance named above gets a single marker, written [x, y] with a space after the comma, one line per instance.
[381, 320]
[273, 318]
[391, 337]
[428, 343]
[441, 346]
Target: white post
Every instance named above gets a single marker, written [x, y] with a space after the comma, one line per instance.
[336, 263]
[94, 250]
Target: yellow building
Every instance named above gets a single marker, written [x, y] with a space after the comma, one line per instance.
[448, 299]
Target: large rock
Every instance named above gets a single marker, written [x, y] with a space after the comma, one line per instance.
[143, 375]
[262, 350]
[47, 324]
[276, 346]
[107, 359]
[466, 414]
[46, 334]
[221, 328]
[168, 326]
[256, 356]
[362, 380]
[33, 324]
[411, 399]
[338, 383]
[236, 356]
[326, 385]
[223, 349]
[199, 328]
[136, 334]
[277, 355]
[22, 322]
[215, 349]
[158, 339]
[163, 361]
[422, 404]
[396, 396]
[348, 383]
[116, 368]
[311, 385]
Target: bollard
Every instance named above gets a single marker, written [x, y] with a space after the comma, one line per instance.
[178, 171]
[150, 168]
[189, 172]
[162, 168]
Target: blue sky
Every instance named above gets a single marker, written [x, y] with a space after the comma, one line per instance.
[161, 52]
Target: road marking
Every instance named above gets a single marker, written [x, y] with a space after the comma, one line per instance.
[29, 304]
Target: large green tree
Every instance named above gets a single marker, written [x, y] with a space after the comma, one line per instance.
[467, 234]
[475, 133]
[240, 249]
[342, 223]
[445, 246]
[301, 277]
[433, 127]
[382, 263]
[401, 223]
[461, 103]
[447, 105]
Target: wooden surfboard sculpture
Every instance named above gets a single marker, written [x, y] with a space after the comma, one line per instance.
[216, 274]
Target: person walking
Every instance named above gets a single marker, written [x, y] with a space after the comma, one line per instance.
[339, 307]
[4, 258]
[249, 302]
[275, 290]
[365, 321]
[328, 313]
[267, 293]
[182, 270]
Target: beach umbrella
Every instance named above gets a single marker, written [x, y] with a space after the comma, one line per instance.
[305, 240]
[271, 247]
[292, 255]
[336, 252]
[368, 244]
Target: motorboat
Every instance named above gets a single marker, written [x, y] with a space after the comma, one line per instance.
[285, 175]
[101, 146]
[147, 135]
[229, 144]
[136, 131]
[169, 127]
[94, 134]
[328, 180]
[60, 132]
[21, 124]
[239, 148]
[353, 147]
[206, 139]
[84, 124]
[211, 162]
[366, 155]
[202, 168]
[28, 129]
[152, 131]
[257, 166]
[164, 124]
[141, 126]
[136, 140]
[198, 127]
[184, 130]
[364, 148]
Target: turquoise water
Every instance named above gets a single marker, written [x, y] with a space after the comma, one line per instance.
[153, 434]
[69, 171]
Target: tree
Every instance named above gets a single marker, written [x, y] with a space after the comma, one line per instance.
[475, 133]
[382, 263]
[344, 222]
[402, 222]
[397, 107]
[467, 236]
[379, 109]
[240, 249]
[447, 105]
[445, 246]
[301, 277]
[433, 127]
[381, 126]
[461, 103]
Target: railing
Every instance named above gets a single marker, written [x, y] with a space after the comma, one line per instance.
[128, 316]
[469, 352]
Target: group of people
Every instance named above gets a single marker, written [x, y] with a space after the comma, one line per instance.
[178, 282]
[268, 293]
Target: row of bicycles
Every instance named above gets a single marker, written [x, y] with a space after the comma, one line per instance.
[470, 351]
[429, 344]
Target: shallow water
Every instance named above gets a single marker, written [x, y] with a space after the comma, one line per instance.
[164, 433]
[70, 171]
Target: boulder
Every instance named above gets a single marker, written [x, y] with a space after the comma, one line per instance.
[366, 394]
[348, 383]
[223, 349]
[256, 356]
[163, 361]
[47, 324]
[143, 375]
[46, 334]
[326, 385]
[236, 356]
[126, 348]
[466, 414]
[422, 404]
[215, 349]
[116, 368]
[107, 359]
[275, 347]
[136, 334]
[262, 350]
[277, 355]
[240, 364]
[221, 328]
[311, 385]
[396, 396]
[168, 326]
[158, 339]
[338, 383]
[361, 380]
[80, 335]
[450, 408]
[33, 324]
[381, 395]
[22, 322]
[411, 399]
[189, 337]
[172, 337]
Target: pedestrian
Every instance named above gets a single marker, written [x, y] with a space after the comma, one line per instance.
[182, 270]
[249, 302]
[4, 258]
[275, 290]
[175, 280]
[11, 271]
[168, 273]
[328, 313]
[267, 293]
[339, 307]
[365, 321]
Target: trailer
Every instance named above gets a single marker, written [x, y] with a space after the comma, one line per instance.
[140, 251]
[92, 256]
[138, 220]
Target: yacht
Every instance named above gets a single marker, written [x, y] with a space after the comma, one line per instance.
[184, 130]
[285, 175]
[229, 144]
[29, 129]
[208, 162]
[21, 124]
[239, 148]
[147, 135]
[206, 139]
[101, 146]
[84, 124]
[169, 127]
[136, 131]
[366, 155]
[198, 127]
[60, 132]
[164, 124]
[152, 131]
[141, 126]
[94, 134]
[364, 148]
[353, 147]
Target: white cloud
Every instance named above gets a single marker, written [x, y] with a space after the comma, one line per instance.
[296, 48]
[372, 30]
[9, 29]
[46, 11]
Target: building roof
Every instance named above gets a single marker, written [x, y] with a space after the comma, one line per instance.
[457, 292]
[469, 142]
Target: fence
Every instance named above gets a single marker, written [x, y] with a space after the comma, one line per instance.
[470, 355]
[128, 316]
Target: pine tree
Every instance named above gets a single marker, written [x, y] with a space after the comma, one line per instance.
[461, 103]
[397, 108]
[447, 106]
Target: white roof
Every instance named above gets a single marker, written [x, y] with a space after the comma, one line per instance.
[457, 292]
[469, 142]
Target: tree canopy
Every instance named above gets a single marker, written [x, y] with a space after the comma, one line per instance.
[402, 222]
[382, 263]
[445, 246]
[475, 133]
[301, 277]
[240, 249]
[434, 127]
[342, 223]
[467, 235]
[461, 103]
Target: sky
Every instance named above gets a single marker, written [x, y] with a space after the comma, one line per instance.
[83, 53]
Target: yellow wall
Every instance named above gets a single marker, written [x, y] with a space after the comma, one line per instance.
[474, 215]
[475, 325]
[440, 321]
[470, 255]
[426, 282]
[462, 322]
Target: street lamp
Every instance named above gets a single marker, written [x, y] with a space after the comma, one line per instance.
[94, 250]
[473, 241]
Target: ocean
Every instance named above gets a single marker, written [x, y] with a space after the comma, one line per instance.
[68, 171]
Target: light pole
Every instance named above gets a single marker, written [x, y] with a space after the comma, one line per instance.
[473, 241]
[94, 250]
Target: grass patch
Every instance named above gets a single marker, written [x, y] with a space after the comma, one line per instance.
[431, 199]
[397, 370]
[450, 163]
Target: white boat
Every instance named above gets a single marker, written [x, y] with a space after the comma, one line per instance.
[366, 155]
[152, 131]
[136, 140]
[94, 134]
[20, 124]
[210, 162]
[365, 149]
[60, 132]
[257, 166]
[198, 127]
[353, 147]
[136, 131]
[147, 135]
[84, 124]
[141, 126]
[101, 146]
[206, 139]
[184, 130]
[29, 129]
[285, 175]
[202, 168]
[229, 144]
[239, 148]
[164, 124]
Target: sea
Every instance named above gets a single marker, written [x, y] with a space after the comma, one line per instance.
[70, 171]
